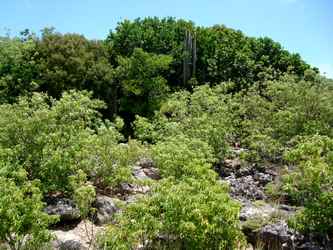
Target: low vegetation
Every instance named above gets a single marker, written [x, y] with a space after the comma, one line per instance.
[76, 115]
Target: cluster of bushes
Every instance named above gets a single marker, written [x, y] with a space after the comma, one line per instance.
[186, 94]
[286, 121]
[189, 208]
[192, 214]
[289, 122]
[311, 184]
[50, 146]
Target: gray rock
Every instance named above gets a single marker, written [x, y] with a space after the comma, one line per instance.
[138, 173]
[144, 169]
[146, 163]
[232, 163]
[287, 208]
[245, 188]
[271, 172]
[146, 173]
[245, 171]
[67, 240]
[310, 246]
[106, 208]
[250, 211]
[263, 178]
[228, 167]
[133, 198]
[65, 208]
[82, 237]
[129, 188]
[69, 245]
[278, 235]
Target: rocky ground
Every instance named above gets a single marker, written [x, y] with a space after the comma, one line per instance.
[73, 233]
[263, 222]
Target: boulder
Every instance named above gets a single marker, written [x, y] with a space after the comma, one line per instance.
[81, 237]
[129, 188]
[145, 163]
[232, 163]
[144, 169]
[263, 178]
[245, 188]
[250, 211]
[67, 240]
[146, 173]
[228, 167]
[64, 208]
[311, 246]
[133, 198]
[257, 221]
[69, 245]
[105, 209]
[278, 236]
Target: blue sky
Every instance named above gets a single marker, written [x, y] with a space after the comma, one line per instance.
[303, 26]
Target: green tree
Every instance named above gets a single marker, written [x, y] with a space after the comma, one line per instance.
[153, 35]
[202, 115]
[271, 114]
[17, 68]
[142, 82]
[71, 61]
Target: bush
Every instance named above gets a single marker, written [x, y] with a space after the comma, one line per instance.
[23, 222]
[181, 157]
[316, 217]
[311, 183]
[202, 115]
[45, 136]
[191, 214]
[273, 113]
[110, 161]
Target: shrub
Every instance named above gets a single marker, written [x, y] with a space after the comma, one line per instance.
[110, 161]
[23, 222]
[311, 183]
[45, 136]
[273, 113]
[317, 216]
[84, 193]
[202, 115]
[188, 215]
[181, 157]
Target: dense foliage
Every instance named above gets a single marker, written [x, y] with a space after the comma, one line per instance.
[165, 53]
[311, 183]
[201, 115]
[76, 115]
[45, 137]
[192, 214]
[23, 222]
[17, 68]
[274, 112]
